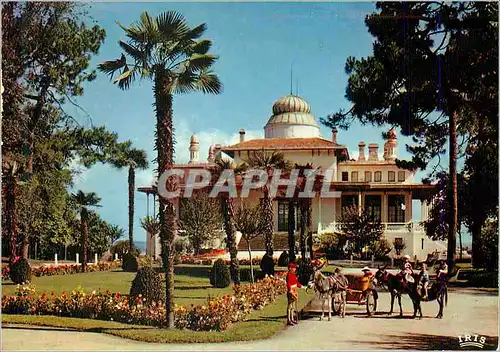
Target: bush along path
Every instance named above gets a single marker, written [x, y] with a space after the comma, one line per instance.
[65, 269]
[217, 315]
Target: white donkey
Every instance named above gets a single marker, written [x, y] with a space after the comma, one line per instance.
[326, 288]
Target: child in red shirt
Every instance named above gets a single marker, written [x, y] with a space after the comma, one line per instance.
[291, 284]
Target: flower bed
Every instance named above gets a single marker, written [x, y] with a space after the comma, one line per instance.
[66, 269]
[199, 261]
[217, 315]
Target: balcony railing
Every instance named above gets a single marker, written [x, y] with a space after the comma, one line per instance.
[388, 227]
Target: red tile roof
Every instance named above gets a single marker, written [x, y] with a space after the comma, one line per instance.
[284, 144]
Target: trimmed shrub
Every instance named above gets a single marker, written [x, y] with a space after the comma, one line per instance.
[20, 271]
[305, 271]
[284, 259]
[146, 287]
[267, 264]
[129, 263]
[220, 276]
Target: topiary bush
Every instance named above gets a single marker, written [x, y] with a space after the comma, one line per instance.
[267, 264]
[129, 263]
[305, 271]
[20, 271]
[220, 276]
[284, 259]
[148, 284]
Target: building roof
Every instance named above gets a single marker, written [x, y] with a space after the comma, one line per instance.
[292, 110]
[284, 144]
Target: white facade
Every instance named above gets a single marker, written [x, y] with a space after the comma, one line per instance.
[370, 181]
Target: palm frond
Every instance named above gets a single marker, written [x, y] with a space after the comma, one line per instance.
[110, 67]
[208, 82]
[201, 46]
[140, 57]
[171, 25]
[196, 32]
[200, 62]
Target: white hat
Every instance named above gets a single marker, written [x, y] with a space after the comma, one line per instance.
[406, 256]
[365, 268]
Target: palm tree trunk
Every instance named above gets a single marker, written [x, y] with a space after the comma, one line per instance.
[228, 215]
[460, 239]
[165, 159]
[477, 253]
[269, 229]
[308, 222]
[303, 225]
[10, 214]
[131, 187]
[452, 234]
[251, 264]
[85, 233]
[291, 230]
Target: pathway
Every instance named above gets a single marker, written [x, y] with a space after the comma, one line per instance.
[468, 311]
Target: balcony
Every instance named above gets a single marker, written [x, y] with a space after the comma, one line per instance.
[399, 227]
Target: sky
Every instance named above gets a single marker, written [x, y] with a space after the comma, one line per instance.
[259, 45]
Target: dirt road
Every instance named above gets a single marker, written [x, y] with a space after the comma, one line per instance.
[468, 312]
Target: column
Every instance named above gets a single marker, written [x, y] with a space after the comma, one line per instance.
[319, 211]
[424, 209]
[360, 204]
[385, 208]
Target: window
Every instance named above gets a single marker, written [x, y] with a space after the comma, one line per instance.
[345, 176]
[378, 176]
[368, 176]
[349, 201]
[401, 176]
[395, 208]
[373, 204]
[354, 176]
[391, 176]
[282, 216]
[422, 243]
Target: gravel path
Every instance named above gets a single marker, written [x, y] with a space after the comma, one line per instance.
[468, 312]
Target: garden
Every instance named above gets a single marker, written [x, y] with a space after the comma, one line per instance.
[113, 301]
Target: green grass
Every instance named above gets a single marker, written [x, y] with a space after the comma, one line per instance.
[189, 289]
[260, 324]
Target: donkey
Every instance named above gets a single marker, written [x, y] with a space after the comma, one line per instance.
[438, 291]
[325, 288]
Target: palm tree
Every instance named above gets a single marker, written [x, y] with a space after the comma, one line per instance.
[83, 201]
[227, 208]
[10, 181]
[115, 232]
[126, 156]
[152, 227]
[167, 51]
[305, 205]
[268, 161]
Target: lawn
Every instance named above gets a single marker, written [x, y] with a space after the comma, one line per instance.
[260, 324]
[192, 286]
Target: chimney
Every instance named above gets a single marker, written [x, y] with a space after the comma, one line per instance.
[361, 156]
[194, 150]
[242, 135]
[211, 154]
[373, 152]
[217, 152]
[334, 135]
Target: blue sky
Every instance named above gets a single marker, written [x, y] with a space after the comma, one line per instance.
[257, 44]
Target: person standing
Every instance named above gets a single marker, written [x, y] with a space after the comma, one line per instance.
[292, 283]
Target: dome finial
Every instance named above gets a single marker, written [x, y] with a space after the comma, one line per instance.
[291, 79]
